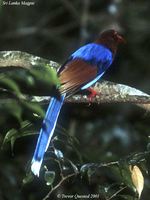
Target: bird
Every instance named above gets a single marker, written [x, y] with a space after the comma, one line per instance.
[80, 71]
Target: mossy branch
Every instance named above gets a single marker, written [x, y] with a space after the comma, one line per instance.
[107, 92]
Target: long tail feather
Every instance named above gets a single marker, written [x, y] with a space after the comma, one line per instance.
[46, 133]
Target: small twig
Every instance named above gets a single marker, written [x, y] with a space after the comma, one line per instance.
[114, 195]
[58, 185]
[138, 158]
[96, 165]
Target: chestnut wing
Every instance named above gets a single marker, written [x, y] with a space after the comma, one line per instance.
[76, 74]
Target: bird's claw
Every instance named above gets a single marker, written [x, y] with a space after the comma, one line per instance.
[92, 94]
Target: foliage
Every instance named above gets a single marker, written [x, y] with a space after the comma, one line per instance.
[95, 148]
[120, 178]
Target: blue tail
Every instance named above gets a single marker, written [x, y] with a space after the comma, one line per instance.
[46, 133]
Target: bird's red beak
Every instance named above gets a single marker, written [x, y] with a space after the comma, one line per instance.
[121, 39]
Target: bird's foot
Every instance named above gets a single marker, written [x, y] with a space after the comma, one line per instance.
[92, 94]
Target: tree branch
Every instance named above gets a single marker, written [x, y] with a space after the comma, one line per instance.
[107, 92]
[13, 59]
[59, 184]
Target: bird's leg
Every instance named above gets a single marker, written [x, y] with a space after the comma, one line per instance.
[92, 94]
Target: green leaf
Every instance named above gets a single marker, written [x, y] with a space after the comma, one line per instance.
[84, 168]
[34, 107]
[126, 176]
[90, 173]
[28, 179]
[11, 107]
[26, 129]
[8, 83]
[39, 80]
[46, 74]
[116, 173]
[137, 179]
[49, 177]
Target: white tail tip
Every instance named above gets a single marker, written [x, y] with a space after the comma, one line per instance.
[35, 167]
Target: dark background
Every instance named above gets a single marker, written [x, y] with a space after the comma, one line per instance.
[53, 29]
